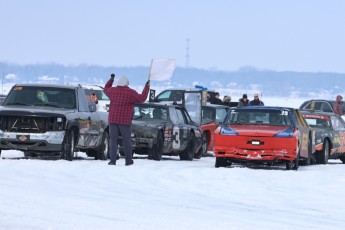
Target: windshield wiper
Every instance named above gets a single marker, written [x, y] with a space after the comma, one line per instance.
[47, 104]
[17, 103]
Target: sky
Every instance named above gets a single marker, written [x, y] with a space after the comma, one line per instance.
[287, 35]
[169, 194]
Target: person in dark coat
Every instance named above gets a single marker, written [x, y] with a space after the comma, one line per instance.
[121, 111]
[227, 101]
[216, 100]
[243, 101]
[256, 101]
[338, 105]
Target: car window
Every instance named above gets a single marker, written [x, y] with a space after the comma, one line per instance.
[181, 119]
[264, 117]
[164, 96]
[337, 123]
[318, 121]
[220, 115]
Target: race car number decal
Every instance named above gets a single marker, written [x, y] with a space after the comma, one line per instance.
[177, 142]
[284, 113]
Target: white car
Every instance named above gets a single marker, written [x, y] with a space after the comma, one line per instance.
[103, 99]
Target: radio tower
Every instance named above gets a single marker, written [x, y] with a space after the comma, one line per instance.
[187, 54]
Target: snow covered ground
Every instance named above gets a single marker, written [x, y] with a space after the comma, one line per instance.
[169, 194]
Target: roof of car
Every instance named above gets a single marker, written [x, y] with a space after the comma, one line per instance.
[215, 106]
[318, 112]
[97, 87]
[48, 85]
[264, 107]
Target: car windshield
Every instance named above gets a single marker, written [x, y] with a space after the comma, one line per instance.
[150, 112]
[42, 96]
[318, 121]
[253, 116]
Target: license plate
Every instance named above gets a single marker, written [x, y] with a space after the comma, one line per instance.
[23, 137]
[255, 142]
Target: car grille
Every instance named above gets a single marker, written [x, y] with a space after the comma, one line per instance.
[29, 124]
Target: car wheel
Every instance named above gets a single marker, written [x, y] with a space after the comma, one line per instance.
[322, 156]
[68, 146]
[293, 164]
[188, 153]
[342, 158]
[221, 162]
[103, 149]
[203, 148]
[155, 153]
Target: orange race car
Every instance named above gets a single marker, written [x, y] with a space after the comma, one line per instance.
[264, 135]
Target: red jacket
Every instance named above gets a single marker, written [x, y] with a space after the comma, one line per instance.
[122, 100]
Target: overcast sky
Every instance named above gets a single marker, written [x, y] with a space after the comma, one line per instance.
[296, 35]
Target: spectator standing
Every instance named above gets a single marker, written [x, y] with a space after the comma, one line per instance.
[338, 105]
[227, 101]
[256, 101]
[216, 99]
[243, 101]
[121, 111]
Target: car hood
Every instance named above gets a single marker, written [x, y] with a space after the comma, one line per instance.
[257, 130]
[25, 110]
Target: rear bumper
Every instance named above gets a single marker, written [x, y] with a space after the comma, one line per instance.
[258, 155]
[40, 142]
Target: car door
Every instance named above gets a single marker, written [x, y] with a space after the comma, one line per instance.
[339, 128]
[192, 102]
[304, 131]
[90, 130]
[181, 129]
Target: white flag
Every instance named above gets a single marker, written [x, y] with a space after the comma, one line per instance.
[161, 69]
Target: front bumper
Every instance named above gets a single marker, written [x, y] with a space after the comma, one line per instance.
[41, 142]
[259, 155]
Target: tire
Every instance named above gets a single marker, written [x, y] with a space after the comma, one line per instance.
[221, 162]
[156, 152]
[67, 151]
[188, 153]
[307, 161]
[204, 144]
[342, 158]
[293, 164]
[103, 150]
[322, 156]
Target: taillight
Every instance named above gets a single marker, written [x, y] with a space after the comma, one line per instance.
[286, 132]
[226, 130]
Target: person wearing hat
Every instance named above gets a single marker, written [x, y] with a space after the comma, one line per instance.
[227, 101]
[256, 101]
[338, 105]
[121, 111]
[243, 101]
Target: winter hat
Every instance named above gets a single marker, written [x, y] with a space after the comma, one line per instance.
[339, 97]
[244, 96]
[123, 81]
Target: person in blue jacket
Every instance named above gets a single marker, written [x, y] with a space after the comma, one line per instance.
[256, 101]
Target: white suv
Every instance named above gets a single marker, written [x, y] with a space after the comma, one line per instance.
[103, 100]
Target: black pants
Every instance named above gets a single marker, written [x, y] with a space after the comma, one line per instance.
[115, 130]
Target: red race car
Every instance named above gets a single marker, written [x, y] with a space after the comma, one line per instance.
[264, 135]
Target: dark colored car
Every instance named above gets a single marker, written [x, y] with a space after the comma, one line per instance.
[264, 135]
[168, 129]
[319, 105]
[212, 117]
[52, 120]
[329, 135]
